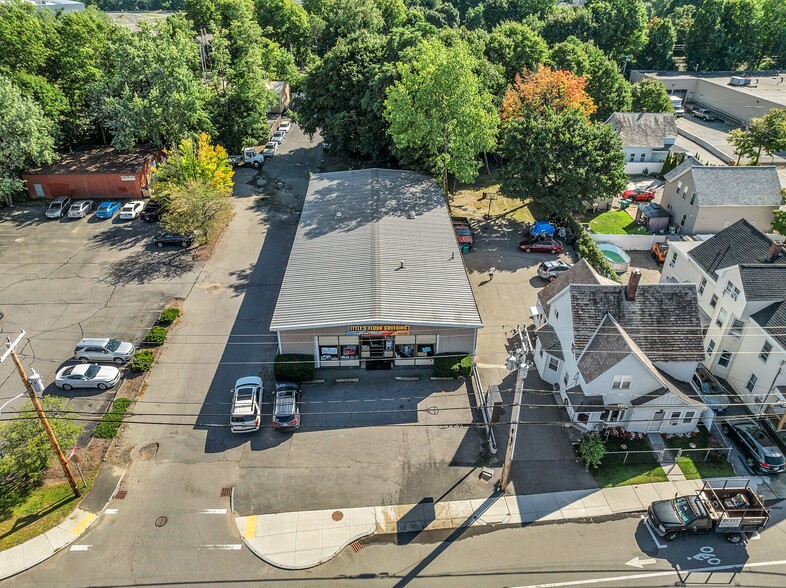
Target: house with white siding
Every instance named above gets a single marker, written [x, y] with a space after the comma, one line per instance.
[615, 360]
[647, 138]
[740, 277]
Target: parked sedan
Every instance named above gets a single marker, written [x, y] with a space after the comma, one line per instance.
[271, 148]
[278, 136]
[132, 210]
[639, 195]
[551, 270]
[285, 126]
[92, 349]
[544, 246]
[173, 239]
[761, 453]
[286, 412]
[80, 208]
[87, 375]
[107, 209]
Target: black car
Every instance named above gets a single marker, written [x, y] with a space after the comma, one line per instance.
[761, 453]
[173, 239]
[152, 211]
[286, 412]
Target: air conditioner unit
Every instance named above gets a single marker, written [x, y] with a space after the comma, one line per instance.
[739, 81]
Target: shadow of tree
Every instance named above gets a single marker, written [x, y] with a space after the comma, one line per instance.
[124, 234]
[149, 265]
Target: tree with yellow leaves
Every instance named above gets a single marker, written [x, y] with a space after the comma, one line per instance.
[195, 160]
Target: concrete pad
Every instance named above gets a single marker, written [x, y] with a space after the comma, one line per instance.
[666, 490]
[544, 504]
[35, 550]
[523, 505]
[442, 511]
[310, 520]
[577, 512]
[552, 516]
[261, 526]
[73, 520]
[598, 511]
[570, 499]
[496, 514]
[360, 516]
[307, 558]
[595, 500]
[284, 560]
[12, 561]
[308, 540]
[58, 538]
[622, 499]
[285, 522]
[460, 510]
[278, 544]
[335, 538]
[437, 524]
[647, 494]
[688, 486]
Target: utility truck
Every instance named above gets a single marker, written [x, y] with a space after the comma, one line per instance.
[250, 156]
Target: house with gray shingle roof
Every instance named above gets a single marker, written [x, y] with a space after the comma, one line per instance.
[647, 138]
[615, 361]
[706, 199]
[740, 277]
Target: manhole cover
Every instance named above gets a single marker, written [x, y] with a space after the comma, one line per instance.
[337, 515]
[432, 410]
[160, 521]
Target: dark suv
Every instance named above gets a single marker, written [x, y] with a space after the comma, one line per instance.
[152, 211]
[761, 453]
[286, 411]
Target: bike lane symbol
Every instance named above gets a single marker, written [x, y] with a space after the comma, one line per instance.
[706, 554]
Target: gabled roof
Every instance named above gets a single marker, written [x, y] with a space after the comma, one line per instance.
[680, 390]
[374, 246]
[737, 186]
[643, 129]
[737, 244]
[689, 162]
[773, 320]
[763, 281]
[663, 320]
[549, 341]
[606, 349]
[580, 273]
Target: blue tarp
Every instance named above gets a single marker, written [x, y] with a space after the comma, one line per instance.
[542, 228]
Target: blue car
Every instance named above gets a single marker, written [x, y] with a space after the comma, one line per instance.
[107, 209]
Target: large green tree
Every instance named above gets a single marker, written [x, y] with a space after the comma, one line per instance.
[658, 53]
[773, 33]
[285, 22]
[619, 27]
[725, 35]
[649, 95]
[25, 137]
[439, 114]
[496, 12]
[568, 21]
[766, 134]
[560, 160]
[197, 207]
[514, 47]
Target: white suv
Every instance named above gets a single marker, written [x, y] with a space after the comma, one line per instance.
[98, 349]
[246, 415]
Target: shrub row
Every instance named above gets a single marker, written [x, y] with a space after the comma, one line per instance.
[168, 316]
[586, 248]
[143, 361]
[110, 423]
[294, 367]
[156, 336]
[450, 365]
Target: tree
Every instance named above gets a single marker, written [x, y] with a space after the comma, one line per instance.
[560, 160]
[568, 21]
[682, 19]
[498, 11]
[767, 134]
[515, 47]
[26, 138]
[198, 160]
[342, 18]
[773, 32]
[439, 114]
[534, 92]
[724, 35]
[649, 95]
[619, 27]
[285, 22]
[198, 207]
[591, 450]
[658, 53]
[27, 451]
[779, 221]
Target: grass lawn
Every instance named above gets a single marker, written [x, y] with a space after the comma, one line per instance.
[640, 469]
[42, 509]
[691, 463]
[468, 201]
[615, 222]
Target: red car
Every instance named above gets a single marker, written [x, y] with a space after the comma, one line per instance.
[546, 246]
[639, 195]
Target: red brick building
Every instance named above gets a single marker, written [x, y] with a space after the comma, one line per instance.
[99, 172]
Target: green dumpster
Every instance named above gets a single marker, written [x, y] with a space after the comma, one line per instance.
[464, 247]
[625, 203]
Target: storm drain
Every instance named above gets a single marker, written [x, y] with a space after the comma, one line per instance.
[225, 492]
[160, 521]
[337, 515]
[356, 546]
[121, 494]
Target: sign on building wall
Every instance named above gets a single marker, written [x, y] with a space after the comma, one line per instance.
[127, 178]
[381, 330]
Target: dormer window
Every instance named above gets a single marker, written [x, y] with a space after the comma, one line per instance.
[731, 290]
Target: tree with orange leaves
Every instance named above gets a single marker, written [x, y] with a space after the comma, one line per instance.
[531, 92]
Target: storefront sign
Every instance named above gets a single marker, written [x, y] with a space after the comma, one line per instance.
[381, 330]
[127, 178]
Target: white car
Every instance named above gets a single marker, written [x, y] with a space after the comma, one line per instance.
[80, 208]
[87, 375]
[132, 209]
[278, 136]
[271, 148]
[285, 126]
[246, 413]
[92, 349]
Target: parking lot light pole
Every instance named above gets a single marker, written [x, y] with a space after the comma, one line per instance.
[34, 399]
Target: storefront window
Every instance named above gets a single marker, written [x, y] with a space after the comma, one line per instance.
[425, 350]
[405, 351]
[349, 352]
[328, 353]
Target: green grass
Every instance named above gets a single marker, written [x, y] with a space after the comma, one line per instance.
[611, 475]
[615, 222]
[695, 470]
[40, 509]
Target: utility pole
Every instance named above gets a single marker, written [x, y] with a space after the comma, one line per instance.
[515, 361]
[762, 408]
[29, 383]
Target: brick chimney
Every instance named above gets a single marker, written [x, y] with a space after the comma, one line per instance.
[775, 250]
[633, 285]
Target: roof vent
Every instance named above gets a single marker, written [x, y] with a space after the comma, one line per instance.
[411, 214]
[775, 250]
[339, 215]
[401, 264]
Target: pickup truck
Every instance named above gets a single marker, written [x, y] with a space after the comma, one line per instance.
[463, 232]
[727, 508]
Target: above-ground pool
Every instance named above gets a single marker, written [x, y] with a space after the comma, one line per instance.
[617, 258]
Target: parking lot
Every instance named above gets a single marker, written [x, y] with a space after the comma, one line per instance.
[61, 280]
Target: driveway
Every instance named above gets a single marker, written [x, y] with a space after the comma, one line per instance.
[61, 280]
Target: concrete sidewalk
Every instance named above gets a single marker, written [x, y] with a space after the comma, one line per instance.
[300, 540]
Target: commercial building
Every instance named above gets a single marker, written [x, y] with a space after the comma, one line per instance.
[375, 278]
[734, 96]
[100, 172]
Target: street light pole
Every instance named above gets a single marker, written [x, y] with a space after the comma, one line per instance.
[517, 360]
[34, 399]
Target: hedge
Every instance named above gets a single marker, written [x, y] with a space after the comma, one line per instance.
[156, 336]
[143, 361]
[168, 316]
[294, 367]
[450, 365]
[588, 249]
[110, 423]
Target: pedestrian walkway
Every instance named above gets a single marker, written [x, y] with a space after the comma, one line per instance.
[300, 540]
[665, 458]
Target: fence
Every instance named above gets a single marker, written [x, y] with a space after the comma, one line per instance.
[668, 454]
[630, 242]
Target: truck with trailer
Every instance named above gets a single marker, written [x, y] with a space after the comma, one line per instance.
[719, 507]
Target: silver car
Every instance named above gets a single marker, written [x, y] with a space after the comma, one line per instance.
[80, 208]
[278, 136]
[271, 148]
[87, 375]
[58, 208]
[92, 349]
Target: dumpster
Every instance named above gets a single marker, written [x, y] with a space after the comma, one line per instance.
[464, 247]
[625, 203]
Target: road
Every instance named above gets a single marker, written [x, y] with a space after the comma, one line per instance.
[611, 553]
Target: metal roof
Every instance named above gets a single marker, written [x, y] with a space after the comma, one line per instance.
[374, 246]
